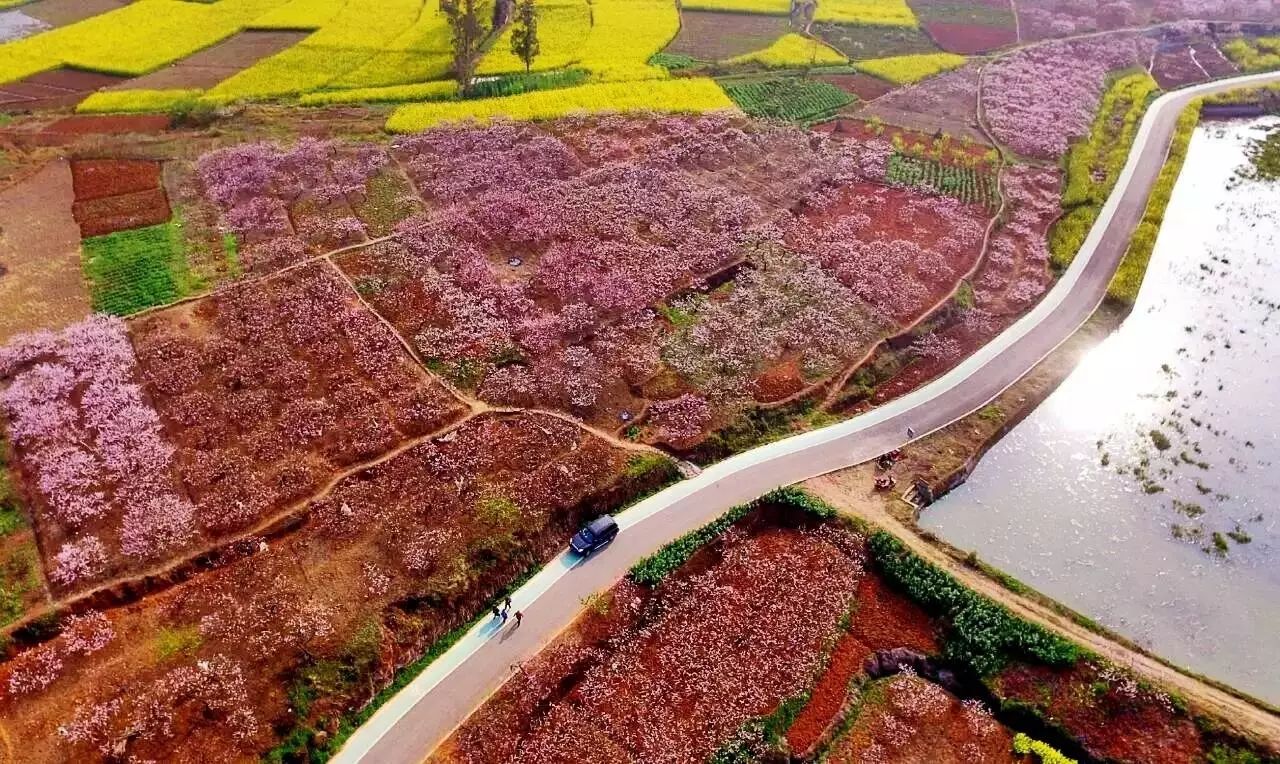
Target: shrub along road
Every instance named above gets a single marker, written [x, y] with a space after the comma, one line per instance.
[419, 717]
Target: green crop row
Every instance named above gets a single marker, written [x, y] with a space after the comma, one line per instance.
[791, 99]
[134, 270]
[984, 635]
[1093, 165]
[1128, 279]
[968, 184]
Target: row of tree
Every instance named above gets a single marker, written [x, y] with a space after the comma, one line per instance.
[469, 35]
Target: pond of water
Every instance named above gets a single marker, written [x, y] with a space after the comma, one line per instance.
[1145, 492]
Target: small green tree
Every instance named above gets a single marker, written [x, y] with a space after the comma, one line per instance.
[467, 36]
[524, 35]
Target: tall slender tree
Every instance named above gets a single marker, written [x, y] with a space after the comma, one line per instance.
[467, 35]
[524, 35]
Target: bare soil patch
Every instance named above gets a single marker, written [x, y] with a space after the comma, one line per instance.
[210, 66]
[1211, 58]
[968, 39]
[59, 13]
[874, 41]
[54, 89]
[1174, 67]
[864, 86]
[107, 125]
[40, 281]
[711, 36]
[118, 195]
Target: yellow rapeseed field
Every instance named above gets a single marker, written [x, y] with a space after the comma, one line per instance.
[873, 12]
[905, 69]
[114, 101]
[792, 51]
[422, 91]
[563, 27]
[692, 95]
[358, 33]
[132, 40]
[300, 14]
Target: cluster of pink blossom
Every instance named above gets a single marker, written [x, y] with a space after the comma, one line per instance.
[786, 305]
[730, 644]
[1219, 10]
[1038, 99]
[152, 712]
[96, 446]
[38, 667]
[1017, 271]
[533, 277]
[897, 275]
[268, 194]
[681, 420]
[1039, 19]
[272, 386]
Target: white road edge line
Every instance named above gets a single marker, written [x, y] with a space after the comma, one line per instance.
[391, 712]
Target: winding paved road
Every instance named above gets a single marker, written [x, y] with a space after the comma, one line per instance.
[417, 719]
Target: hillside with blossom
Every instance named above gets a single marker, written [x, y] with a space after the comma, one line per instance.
[288, 401]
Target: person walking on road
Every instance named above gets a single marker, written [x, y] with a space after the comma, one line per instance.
[506, 603]
[496, 612]
[504, 615]
[911, 432]
[519, 618]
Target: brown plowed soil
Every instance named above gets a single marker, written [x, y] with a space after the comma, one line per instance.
[968, 39]
[710, 36]
[108, 125]
[117, 195]
[40, 281]
[59, 13]
[54, 89]
[863, 86]
[213, 65]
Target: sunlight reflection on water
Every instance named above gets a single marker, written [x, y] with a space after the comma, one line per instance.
[1080, 503]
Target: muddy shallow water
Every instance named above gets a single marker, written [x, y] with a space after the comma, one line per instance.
[1108, 497]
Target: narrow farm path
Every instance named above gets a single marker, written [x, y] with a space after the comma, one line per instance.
[417, 718]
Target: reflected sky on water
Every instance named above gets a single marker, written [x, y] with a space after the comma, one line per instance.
[1080, 502]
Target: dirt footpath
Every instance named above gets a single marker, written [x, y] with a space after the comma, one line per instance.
[41, 285]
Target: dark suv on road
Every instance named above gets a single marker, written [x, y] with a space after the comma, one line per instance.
[594, 535]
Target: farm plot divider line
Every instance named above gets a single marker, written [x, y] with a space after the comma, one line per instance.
[125, 589]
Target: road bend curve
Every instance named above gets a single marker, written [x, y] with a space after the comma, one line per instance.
[410, 725]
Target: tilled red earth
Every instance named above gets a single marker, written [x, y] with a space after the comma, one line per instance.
[54, 89]
[117, 195]
[968, 39]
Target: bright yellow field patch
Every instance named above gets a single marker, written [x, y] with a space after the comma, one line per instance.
[625, 34]
[358, 33]
[905, 69]
[134, 39]
[117, 101]
[792, 51]
[300, 14]
[421, 52]
[563, 27]
[670, 96]
[423, 91]
[872, 12]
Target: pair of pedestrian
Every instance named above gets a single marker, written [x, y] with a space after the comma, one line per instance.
[505, 611]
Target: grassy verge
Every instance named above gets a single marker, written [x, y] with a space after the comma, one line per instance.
[1093, 165]
[1128, 279]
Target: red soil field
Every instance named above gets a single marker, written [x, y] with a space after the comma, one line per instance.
[270, 388]
[96, 178]
[393, 558]
[968, 39]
